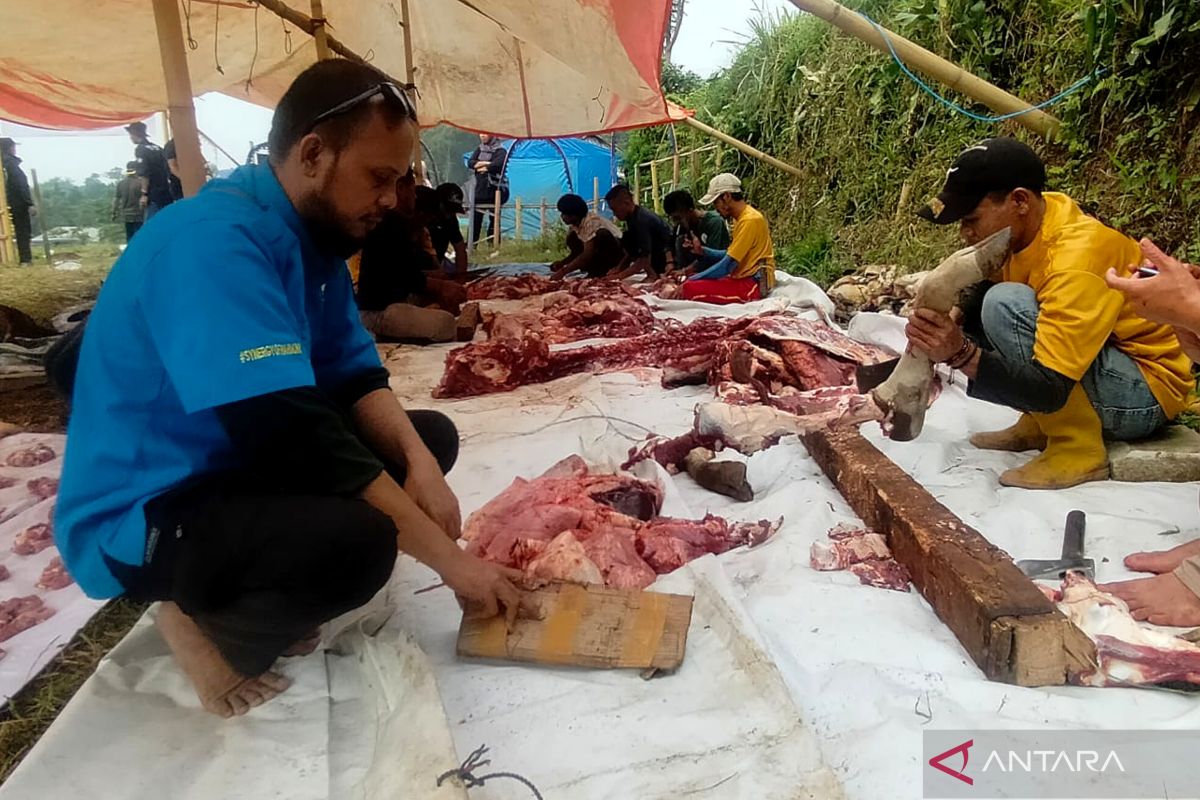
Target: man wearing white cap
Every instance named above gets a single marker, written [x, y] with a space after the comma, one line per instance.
[746, 270]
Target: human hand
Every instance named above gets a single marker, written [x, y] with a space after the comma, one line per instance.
[693, 244]
[1172, 297]
[482, 166]
[145, 201]
[935, 334]
[427, 487]
[485, 588]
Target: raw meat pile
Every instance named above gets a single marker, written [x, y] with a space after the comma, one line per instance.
[21, 613]
[54, 576]
[31, 456]
[566, 318]
[1127, 653]
[42, 488]
[591, 527]
[33, 539]
[864, 553]
[510, 287]
[777, 350]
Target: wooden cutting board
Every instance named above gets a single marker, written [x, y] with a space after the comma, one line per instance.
[586, 626]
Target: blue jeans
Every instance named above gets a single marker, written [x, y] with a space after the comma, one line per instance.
[1118, 391]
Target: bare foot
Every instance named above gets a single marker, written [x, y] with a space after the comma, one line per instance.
[221, 689]
[1164, 560]
[1161, 600]
[306, 645]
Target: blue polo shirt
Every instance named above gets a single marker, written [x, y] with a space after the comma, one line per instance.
[218, 298]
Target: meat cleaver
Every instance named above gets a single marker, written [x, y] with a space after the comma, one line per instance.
[869, 376]
[1072, 554]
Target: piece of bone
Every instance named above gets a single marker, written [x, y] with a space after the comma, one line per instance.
[905, 395]
[723, 477]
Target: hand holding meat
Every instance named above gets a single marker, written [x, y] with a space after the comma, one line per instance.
[428, 489]
[485, 588]
[935, 333]
[1171, 297]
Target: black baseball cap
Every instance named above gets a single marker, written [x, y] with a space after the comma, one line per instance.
[136, 127]
[451, 197]
[993, 165]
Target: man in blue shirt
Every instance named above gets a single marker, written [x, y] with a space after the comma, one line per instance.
[234, 449]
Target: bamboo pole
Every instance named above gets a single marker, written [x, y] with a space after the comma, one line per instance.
[281, 9]
[410, 71]
[654, 187]
[695, 159]
[743, 147]
[499, 202]
[637, 184]
[936, 67]
[517, 230]
[542, 229]
[179, 95]
[8, 253]
[674, 161]
[596, 193]
[319, 34]
[905, 194]
[41, 214]
[665, 159]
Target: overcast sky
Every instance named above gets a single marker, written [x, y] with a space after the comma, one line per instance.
[709, 36]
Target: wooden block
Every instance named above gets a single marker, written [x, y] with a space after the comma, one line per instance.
[1011, 630]
[586, 626]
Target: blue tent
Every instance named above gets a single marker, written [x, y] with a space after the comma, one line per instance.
[548, 168]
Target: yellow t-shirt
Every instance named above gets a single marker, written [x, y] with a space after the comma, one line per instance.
[751, 246]
[1079, 314]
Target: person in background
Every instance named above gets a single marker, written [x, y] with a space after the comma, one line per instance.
[487, 163]
[691, 223]
[259, 479]
[20, 200]
[1052, 340]
[746, 269]
[127, 202]
[647, 241]
[444, 230]
[174, 179]
[152, 169]
[593, 242]
[400, 294]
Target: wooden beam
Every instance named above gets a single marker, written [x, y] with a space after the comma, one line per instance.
[179, 95]
[933, 65]
[499, 203]
[1009, 628]
[542, 226]
[517, 229]
[742, 146]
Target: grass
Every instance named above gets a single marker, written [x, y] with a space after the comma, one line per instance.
[35, 707]
[543, 249]
[42, 291]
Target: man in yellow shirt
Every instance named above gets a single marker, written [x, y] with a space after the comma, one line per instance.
[746, 270]
[1053, 340]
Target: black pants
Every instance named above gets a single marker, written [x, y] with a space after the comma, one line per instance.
[258, 567]
[478, 225]
[62, 361]
[23, 233]
[131, 228]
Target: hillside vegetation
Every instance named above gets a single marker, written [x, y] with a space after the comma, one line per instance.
[860, 129]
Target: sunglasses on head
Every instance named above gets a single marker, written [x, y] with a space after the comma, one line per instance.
[385, 89]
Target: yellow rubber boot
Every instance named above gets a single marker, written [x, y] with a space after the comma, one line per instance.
[1024, 435]
[1075, 451]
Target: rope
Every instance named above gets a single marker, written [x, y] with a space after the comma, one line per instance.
[217, 38]
[950, 104]
[474, 762]
[187, 17]
[254, 58]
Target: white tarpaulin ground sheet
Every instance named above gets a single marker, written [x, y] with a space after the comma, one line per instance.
[796, 683]
[20, 508]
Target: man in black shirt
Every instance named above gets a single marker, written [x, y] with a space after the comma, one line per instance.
[647, 241]
[173, 168]
[20, 200]
[152, 169]
[444, 229]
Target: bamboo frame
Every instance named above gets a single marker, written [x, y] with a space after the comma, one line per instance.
[517, 225]
[743, 147]
[41, 214]
[933, 65]
[499, 204]
[410, 71]
[654, 187]
[319, 34]
[179, 95]
[8, 244]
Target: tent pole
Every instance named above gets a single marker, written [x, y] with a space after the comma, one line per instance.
[596, 193]
[179, 95]
[517, 234]
[654, 187]
[7, 252]
[320, 36]
[41, 213]
[674, 158]
[542, 227]
[410, 71]
[742, 146]
[936, 67]
[499, 202]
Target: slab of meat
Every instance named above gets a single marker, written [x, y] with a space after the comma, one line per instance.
[4, 573]
[566, 318]
[33, 539]
[864, 552]
[503, 365]
[510, 287]
[54, 576]
[21, 613]
[42, 488]
[31, 456]
[1127, 653]
[575, 524]
[6, 482]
